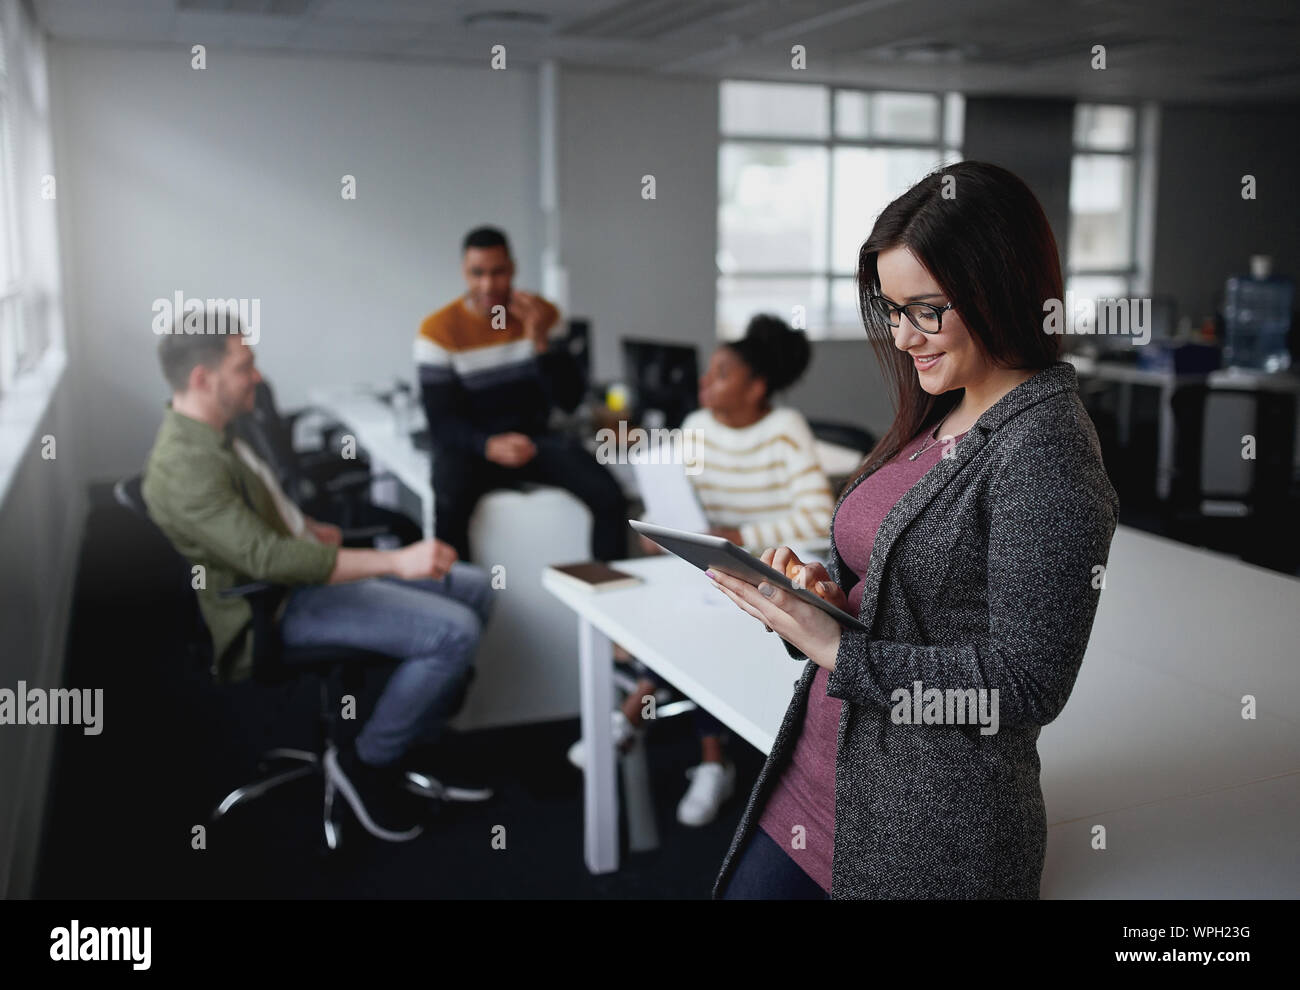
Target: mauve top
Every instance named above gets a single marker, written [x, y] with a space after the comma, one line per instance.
[805, 794]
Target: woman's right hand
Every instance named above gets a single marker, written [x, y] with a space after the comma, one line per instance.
[812, 575]
[649, 545]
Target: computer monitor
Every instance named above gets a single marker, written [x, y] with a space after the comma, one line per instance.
[578, 343]
[1162, 318]
[663, 377]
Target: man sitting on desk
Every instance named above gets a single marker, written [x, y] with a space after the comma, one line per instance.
[223, 509]
[489, 376]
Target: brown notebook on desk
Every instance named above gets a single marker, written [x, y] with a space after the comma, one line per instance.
[595, 576]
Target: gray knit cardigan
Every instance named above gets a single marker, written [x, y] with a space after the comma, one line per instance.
[985, 574]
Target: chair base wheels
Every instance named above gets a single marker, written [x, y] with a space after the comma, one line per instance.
[334, 785]
[431, 787]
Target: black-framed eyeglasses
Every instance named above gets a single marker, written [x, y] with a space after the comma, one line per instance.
[926, 317]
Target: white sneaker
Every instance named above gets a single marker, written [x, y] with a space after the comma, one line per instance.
[712, 784]
[624, 732]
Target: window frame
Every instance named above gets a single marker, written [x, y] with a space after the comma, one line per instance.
[1132, 273]
[12, 365]
[828, 275]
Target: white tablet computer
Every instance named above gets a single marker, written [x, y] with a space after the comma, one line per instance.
[719, 554]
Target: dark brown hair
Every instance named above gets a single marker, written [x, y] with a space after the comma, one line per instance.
[485, 237]
[988, 244]
[180, 352]
[773, 352]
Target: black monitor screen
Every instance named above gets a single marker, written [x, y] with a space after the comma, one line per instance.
[578, 343]
[663, 377]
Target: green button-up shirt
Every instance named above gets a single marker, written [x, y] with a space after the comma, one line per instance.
[219, 515]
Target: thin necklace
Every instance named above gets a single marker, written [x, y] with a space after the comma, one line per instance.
[936, 439]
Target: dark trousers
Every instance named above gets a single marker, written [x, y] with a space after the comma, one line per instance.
[459, 480]
[765, 872]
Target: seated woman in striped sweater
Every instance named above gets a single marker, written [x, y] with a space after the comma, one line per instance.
[760, 485]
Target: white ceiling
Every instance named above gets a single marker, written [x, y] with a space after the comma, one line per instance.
[1169, 50]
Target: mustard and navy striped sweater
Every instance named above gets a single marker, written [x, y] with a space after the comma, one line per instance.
[764, 478]
[477, 381]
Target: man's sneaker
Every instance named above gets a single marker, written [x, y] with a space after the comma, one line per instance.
[429, 775]
[712, 784]
[378, 796]
[625, 733]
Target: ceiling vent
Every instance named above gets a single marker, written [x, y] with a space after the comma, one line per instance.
[272, 8]
[646, 20]
[508, 21]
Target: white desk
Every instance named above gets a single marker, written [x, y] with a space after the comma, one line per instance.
[1151, 738]
[371, 421]
[1196, 800]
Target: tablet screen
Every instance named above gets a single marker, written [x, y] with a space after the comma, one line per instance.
[714, 552]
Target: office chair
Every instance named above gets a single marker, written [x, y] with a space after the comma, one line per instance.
[843, 434]
[325, 485]
[274, 665]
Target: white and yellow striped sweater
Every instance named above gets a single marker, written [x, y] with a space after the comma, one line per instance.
[763, 479]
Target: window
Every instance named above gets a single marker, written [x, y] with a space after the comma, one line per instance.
[803, 171]
[32, 355]
[31, 327]
[1102, 244]
[11, 335]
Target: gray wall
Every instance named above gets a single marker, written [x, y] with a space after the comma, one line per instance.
[1034, 139]
[41, 521]
[844, 384]
[226, 182]
[1204, 230]
[639, 268]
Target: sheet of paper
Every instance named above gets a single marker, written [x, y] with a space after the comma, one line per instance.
[669, 497]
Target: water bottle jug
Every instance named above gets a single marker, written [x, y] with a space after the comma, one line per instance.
[1257, 318]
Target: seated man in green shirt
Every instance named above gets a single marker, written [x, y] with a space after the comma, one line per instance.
[223, 510]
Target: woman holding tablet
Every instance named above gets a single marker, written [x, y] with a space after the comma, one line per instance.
[973, 544]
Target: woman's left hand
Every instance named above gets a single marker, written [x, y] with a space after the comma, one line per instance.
[806, 627]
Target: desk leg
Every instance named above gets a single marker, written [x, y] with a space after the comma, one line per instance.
[638, 800]
[426, 515]
[600, 810]
[1125, 412]
[1165, 443]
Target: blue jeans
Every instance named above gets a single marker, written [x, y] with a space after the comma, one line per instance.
[765, 872]
[430, 627]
